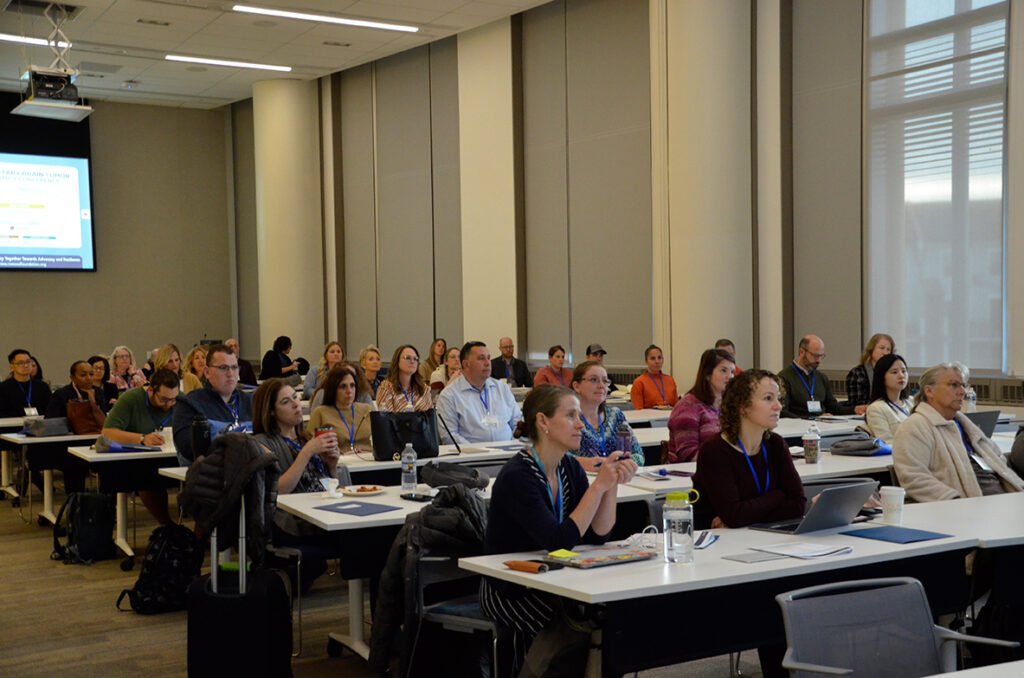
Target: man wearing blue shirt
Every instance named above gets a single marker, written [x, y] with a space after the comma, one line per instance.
[475, 407]
[226, 407]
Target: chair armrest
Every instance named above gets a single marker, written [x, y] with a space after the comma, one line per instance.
[790, 664]
[945, 634]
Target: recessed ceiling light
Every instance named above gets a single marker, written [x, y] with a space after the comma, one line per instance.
[231, 64]
[7, 37]
[326, 19]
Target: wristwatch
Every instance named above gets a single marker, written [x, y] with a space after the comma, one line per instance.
[142, 440]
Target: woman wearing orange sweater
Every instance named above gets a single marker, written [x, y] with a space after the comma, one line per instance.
[653, 388]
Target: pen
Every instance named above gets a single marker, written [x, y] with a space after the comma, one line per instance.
[627, 455]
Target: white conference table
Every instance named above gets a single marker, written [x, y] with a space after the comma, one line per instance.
[471, 453]
[304, 505]
[98, 458]
[25, 442]
[647, 417]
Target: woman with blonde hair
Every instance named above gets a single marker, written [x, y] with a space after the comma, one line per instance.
[195, 362]
[123, 372]
[859, 379]
[333, 355]
[369, 361]
[169, 357]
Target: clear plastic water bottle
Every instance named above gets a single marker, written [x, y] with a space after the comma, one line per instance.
[408, 469]
[812, 443]
[677, 519]
[970, 400]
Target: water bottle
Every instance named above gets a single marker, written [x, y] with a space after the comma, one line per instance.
[677, 518]
[812, 443]
[624, 438]
[970, 400]
[408, 469]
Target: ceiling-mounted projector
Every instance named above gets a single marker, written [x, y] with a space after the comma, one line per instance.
[51, 93]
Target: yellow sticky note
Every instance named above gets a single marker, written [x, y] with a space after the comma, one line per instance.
[562, 553]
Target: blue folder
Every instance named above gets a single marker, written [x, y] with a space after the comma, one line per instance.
[358, 508]
[897, 535]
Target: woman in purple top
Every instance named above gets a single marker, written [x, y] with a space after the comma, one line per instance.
[694, 419]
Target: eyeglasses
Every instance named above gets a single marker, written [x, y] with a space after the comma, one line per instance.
[597, 380]
[410, 358]
[160, 400]
[957, 385]
[510, 347]
[22, 363]
[816, 356]
[224, 369]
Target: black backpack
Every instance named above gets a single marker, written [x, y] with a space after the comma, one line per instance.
[89, 528]
[173, 559]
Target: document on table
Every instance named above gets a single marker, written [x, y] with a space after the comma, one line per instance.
[804, 549]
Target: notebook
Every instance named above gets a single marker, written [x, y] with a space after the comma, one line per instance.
[835, 507]
[586, 557]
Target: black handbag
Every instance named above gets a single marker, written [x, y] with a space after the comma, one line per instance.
[392, 430]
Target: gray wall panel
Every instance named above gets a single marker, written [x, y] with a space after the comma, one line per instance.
[609, 160]
[544, 169]
[360, 218]
[827, 177]
[245, 230]
[444, 125]
[405, 298]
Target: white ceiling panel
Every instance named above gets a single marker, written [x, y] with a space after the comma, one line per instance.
[108, 34]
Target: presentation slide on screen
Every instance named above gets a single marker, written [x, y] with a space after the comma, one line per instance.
[45, 213]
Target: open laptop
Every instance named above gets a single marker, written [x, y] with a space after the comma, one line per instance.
[986, 421]
[835, 507]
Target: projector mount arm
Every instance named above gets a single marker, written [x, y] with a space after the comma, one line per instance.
[57, 15]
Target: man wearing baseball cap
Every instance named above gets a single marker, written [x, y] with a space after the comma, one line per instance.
[596, 353]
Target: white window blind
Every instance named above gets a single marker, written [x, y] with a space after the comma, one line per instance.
[935, 86]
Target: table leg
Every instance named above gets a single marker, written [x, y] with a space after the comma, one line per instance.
[6, 485]
[593, 669]
[355, 640]
[121, 530]
[47, 512]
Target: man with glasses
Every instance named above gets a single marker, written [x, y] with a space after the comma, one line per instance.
[807, 392]
[138, 417]
[939, 453]
[225, 406]
[21, 395]
[510, 368]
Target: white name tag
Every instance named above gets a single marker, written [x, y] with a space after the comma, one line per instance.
[814, 406]
[490, 420]
[31, 412]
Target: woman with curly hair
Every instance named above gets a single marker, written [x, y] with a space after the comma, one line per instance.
[746, 475]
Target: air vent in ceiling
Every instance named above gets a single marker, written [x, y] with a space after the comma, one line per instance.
[98, 67]
[36, 8]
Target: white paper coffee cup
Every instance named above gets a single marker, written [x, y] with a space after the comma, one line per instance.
[892, 504]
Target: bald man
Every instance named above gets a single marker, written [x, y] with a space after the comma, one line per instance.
[508, 368]
[807, 391]
[246, 375]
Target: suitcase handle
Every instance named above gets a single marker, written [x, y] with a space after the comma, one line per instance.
[242, 560]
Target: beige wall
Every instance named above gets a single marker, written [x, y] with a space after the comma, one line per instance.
[160, 214]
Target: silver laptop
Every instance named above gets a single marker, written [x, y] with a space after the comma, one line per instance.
[835, 507]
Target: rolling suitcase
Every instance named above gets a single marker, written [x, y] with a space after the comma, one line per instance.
[239, 626]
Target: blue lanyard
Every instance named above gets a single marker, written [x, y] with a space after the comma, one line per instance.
[408, 397]
[483, 396]
[315, 458]
[767, 471]
[234, 410]
[556, 499]
[599, 433]
[351, 429]
[162, 423]
[559, 375]
[799, 373]
[963, 436]
[661, 389]
[905, 413]
[28, 398]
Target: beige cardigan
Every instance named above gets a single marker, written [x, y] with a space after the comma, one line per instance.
[931, 461]
[882, 419]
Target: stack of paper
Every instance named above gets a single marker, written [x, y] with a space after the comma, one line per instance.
[803, 549]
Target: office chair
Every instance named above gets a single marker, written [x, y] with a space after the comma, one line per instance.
[868, 627]
[462, 614]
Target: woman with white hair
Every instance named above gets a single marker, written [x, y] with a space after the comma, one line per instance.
[939, 453]
[123, 372]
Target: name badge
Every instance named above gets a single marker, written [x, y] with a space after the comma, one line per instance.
[490, 420]
[814, 406]
[981, 462]
[31, 412]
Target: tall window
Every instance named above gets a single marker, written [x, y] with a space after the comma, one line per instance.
[935, 86]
